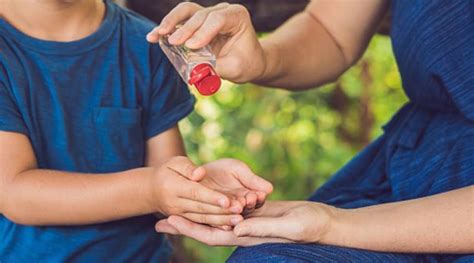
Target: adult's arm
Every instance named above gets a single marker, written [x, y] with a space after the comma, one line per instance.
[442, 223]
[314, 47]
[319, 44]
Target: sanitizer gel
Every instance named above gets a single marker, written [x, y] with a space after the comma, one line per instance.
[195, 66]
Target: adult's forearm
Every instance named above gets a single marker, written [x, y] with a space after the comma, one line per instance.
[301, 54]
[441, 223]
[44, 197]
[318, 45]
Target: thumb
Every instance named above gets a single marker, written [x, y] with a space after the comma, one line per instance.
[276, 227]
[186, 168]
[163, 226]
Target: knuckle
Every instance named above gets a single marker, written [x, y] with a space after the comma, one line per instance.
[201, 13]
[223, 4]
[203, 218]
[195, 5]
[169, 209]
[217, 17]
[189, 7]
[174, 210]
[242, 165]
[240, 10]
[193, 193]
[200, 208]
[185, 5]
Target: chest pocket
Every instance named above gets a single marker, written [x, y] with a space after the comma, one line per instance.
[119, 139]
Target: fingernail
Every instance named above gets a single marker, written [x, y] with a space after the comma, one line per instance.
[149, 36]
[222, 202]
[235, 220]
[242, 231]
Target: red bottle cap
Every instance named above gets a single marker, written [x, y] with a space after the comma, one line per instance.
[205, 78]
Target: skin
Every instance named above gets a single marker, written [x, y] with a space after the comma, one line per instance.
[169, 184]
[407, 226]
[313, 48]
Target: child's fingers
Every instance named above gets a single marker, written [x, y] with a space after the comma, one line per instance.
[261, 197]
[186, 168]
[225, 228]
[235, 206]
[251, 200]
[242, 200]
[216, 220]
[191, 206]
[197, 192]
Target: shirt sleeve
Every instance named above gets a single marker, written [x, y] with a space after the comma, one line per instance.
[170, 100]
[10, 116]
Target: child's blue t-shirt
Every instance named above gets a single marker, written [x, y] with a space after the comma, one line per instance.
[88, 106]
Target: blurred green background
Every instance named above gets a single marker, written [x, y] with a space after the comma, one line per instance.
[295, 140]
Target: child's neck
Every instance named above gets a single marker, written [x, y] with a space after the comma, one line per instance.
[54, 20]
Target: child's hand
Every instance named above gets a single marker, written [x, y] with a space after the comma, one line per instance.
[174, 194]
[235, 179]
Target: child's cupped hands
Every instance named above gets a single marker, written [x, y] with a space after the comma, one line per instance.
[216, 194]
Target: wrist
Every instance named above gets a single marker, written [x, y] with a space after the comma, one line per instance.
[149, 189]
[337, 219]
[271, 64]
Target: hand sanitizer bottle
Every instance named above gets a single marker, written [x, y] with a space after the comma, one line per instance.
[195, 66]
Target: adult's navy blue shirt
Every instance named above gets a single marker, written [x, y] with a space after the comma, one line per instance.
[88, 106]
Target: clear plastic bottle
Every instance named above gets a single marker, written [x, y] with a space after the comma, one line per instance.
[195, 66]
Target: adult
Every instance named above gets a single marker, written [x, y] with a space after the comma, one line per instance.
[410, 191]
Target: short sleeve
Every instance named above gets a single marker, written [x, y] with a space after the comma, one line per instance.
[10, 117]
[170, 100]
[458, 167]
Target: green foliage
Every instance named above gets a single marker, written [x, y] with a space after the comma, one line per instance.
[295, 140]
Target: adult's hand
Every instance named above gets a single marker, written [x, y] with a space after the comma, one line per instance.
[280, 221]
[297, 221]
[229, 30]
[235, 179]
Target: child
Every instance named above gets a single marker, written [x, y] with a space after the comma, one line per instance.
[88, 138]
